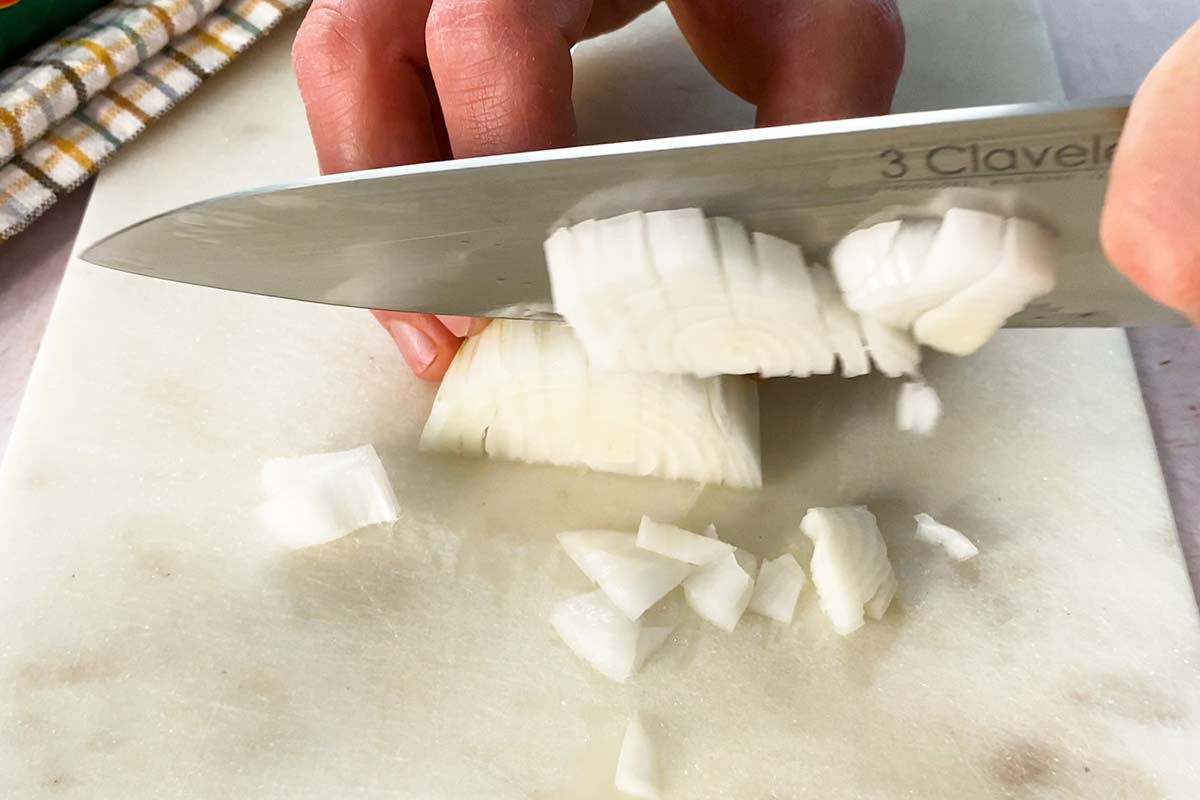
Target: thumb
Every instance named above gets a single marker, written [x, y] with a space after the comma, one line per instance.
[1151, 222]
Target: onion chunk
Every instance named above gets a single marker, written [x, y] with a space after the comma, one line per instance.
[315, 499]
[952, 282]
[632, 578]
[777, 589]
[721, 590]
[954, 542]
[679, 544]
[637, 764]
[526, 391]
[918, 408]
[850, 567]
[600, 634]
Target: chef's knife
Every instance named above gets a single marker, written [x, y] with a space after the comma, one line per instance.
[465, 237]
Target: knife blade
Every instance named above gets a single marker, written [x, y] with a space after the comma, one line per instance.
[465, 237]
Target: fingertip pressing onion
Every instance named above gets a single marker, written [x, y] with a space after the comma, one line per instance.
[631, 577]
[637, 765]
[318, 498]
[679, 544]
[850, 567]
[918, 408]
[953, 541]
[777, 588]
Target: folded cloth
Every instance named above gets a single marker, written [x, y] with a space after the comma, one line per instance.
[68, 106]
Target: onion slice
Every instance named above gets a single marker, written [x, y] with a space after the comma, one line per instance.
[780, 581]
[850, 567]
[679, 544]
[526, 391]
[318, 498]
[637, 764]
[632, 578]
[600, 634]
[721, 590]
[953, 541]
[918, 408]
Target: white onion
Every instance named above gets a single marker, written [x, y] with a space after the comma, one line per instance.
[637, 764]
[954, 282]
[632, 578]
[525, 391]
[842, 325]
[954, 542]
[679, 544]
[918, 408]
[720, 590]
[1024, 272]
[777, 588]
[596, 631]
[850, 567]
[673, 291]
[317, 498]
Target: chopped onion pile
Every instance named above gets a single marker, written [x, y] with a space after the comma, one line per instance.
[637, 764]
[918, 408]
[317, 498]
[676, 292]
[850, 567]
[777, 589]
[525, 391]
[599, 633]
[953, 282]
[956, 545]
[631, 577]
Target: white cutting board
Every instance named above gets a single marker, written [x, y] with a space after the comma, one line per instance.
[153, 644]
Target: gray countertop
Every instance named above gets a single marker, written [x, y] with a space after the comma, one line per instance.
[1103, 50]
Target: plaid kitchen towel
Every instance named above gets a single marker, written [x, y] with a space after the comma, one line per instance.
[69, 105]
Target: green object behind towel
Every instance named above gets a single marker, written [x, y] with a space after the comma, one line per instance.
[30, 23]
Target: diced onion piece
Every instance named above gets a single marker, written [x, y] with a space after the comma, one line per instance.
[677, 543]
[596, 631]
[720, 590]
[637, 764]
[881, 270]
[850, 567]
[953, 282]
[317, 498]
[894, 351]
[710, 531]
[841, 324]
[777, 588]
[918, 408]
[1025, 271]
[675, 292]
[956, 545]
[525, 391]
[632, 578]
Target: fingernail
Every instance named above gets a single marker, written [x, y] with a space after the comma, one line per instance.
[459, 326]
[417, 348]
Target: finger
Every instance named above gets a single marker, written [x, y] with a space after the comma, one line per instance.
[1150, 224]
[364, 79]
[427, 346]
[503, 72]
[463, 327]
[799, 60]
[609, 15]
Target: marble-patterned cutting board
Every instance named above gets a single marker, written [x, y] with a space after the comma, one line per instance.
[154, 643]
